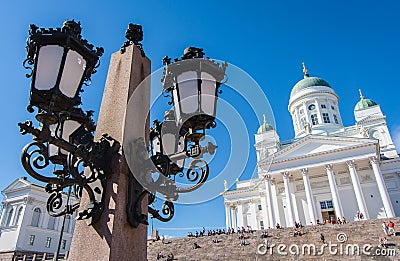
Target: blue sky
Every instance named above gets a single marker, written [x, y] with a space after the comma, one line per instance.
[350, 44]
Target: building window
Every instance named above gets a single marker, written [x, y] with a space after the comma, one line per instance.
[303, 121]
[314, 119]
[326, 204]
[48, 242]
[63, 243]
[9, 218]
[261, 224]
[332, 107]
[19, 214]
[325, 117]
[323, 106]
[301, 111]
[31, 240]
[311, 107]
[52, 221]
[335, 119]
[36, 217]
[259, 207]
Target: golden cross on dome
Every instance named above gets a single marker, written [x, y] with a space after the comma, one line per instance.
[305, 70]
[265, 120]
[361, 95]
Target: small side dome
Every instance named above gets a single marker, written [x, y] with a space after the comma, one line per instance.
[364, 103]
[308, 82]
[265, 127]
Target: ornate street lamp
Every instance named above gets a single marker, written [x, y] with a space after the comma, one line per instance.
[193, 82]
[62, 62]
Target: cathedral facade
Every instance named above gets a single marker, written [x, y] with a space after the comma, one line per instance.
[328, 171]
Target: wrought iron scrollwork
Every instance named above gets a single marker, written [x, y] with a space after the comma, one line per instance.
[81, 151]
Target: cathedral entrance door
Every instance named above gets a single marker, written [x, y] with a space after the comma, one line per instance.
[328, 215]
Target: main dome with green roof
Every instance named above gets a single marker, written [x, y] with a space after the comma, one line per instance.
[308, 82]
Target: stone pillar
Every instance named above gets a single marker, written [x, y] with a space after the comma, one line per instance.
[112, 238]
[264, 211]
[227, 216]
[239, 214]
[310, 198]
[253, 209]
[337, 204]
[268, 193]
[289, 203]
[387, 204]
[234, 217]
[362, 206]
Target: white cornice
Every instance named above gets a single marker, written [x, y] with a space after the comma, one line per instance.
[365, 143]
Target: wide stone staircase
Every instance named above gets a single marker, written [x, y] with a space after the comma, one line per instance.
[356, 240]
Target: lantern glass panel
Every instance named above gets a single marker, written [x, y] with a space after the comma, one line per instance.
[169, 143]
[188, 92]
[48, 66]
[52, 149]
[181, 147]
[74, 68]
[68, 128]
[176, 105]
[208, 93]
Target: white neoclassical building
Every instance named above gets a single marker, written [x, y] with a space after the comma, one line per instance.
[25, 225]
[327, 170]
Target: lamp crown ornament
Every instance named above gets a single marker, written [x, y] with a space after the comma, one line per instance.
[134, 35]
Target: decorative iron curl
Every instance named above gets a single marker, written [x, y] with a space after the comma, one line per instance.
[30, 63]
[199, 172]
[167, 210]
[56, 208]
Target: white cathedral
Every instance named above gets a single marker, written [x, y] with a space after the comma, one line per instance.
[327, 171]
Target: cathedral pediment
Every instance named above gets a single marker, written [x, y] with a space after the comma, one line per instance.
[314, 145]
[17, 185]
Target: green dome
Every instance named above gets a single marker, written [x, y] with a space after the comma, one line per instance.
[308, 82]
[364, 103]
[264, 128]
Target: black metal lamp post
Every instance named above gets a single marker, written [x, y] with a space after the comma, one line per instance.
[62, 62]
[193, 82]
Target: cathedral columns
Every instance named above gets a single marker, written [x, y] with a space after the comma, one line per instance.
[228, 216]
[234, 217]
[337, 204]
[362, 206]
[289, 202]
[309, 196]
[253, 208]
[382, 187]
[269, 201]
[239, 213]
[264, 211]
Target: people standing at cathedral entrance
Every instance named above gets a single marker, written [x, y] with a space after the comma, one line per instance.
[385, 228]
[391, 228]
